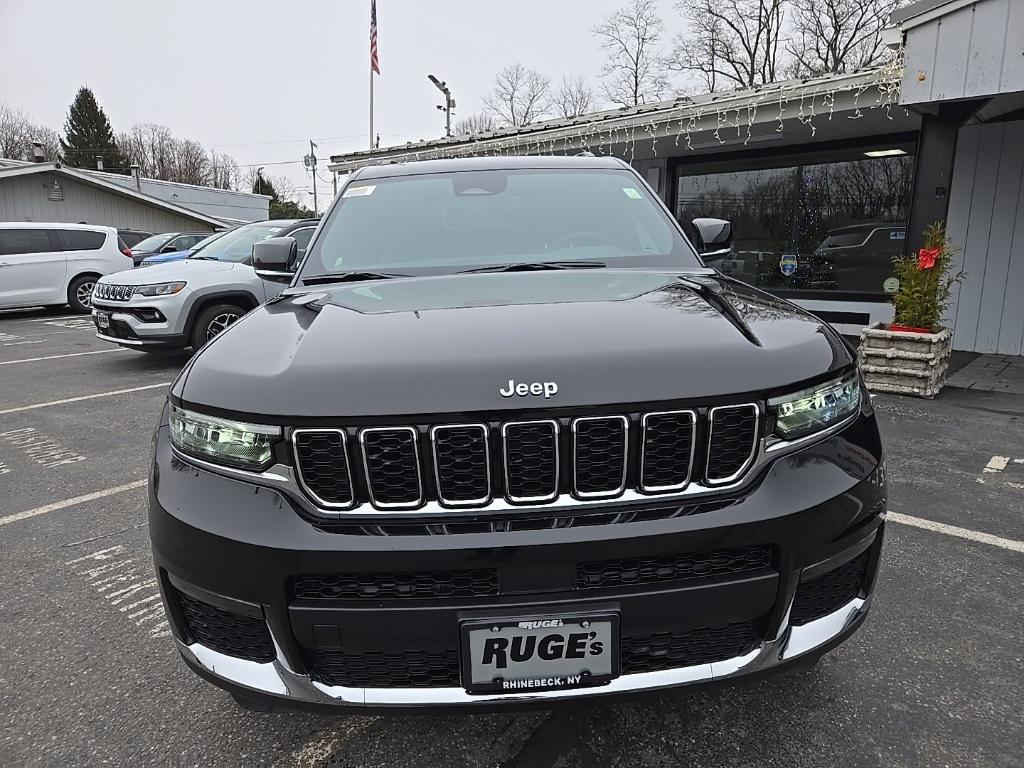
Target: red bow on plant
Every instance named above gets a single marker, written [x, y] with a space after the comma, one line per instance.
[926, 257]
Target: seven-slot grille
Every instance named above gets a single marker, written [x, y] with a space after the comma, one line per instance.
[526, 462]
[113, 292]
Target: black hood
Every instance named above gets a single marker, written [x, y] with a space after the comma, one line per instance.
[448, 344]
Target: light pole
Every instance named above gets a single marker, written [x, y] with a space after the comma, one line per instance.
[449, 103]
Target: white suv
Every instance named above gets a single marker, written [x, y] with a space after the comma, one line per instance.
[44, 265]
[186, 303]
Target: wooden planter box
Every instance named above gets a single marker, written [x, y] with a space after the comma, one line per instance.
[904, 363]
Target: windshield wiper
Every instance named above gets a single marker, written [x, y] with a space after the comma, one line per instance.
[348, 277]
[536, 266]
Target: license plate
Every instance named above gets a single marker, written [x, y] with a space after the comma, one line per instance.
[102, 320]
[539, 653]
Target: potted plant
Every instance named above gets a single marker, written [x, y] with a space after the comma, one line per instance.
[910, 356]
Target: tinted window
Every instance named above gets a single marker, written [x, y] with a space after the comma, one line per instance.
[131, 239]
[804, 227]
[81, 239]
[451, 222]
[302, 237]
[15, 241]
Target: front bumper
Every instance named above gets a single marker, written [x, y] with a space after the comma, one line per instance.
[239, 547]
[133, 325]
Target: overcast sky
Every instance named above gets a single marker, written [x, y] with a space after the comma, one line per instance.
[257, 79]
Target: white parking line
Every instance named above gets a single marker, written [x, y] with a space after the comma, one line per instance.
[961, 533]
[84, 397]
[70, 502]
[58, 357]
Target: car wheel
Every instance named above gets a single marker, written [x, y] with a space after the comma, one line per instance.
[213, 321]
[80, 294]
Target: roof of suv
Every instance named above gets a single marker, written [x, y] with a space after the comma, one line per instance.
[55, 225]
[489, 164]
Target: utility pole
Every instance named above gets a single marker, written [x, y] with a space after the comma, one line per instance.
[449, 103]
[310, 162]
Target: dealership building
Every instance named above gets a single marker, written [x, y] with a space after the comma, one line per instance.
[825, 180]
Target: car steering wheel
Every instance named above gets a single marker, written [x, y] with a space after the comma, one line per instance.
[596, 238]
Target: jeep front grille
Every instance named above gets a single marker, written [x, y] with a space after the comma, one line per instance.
[732, 442]
[392, 463]
[529, 462]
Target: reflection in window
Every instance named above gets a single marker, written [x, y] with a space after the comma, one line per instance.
[823, 227]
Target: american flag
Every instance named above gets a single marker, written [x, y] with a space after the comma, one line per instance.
[374, 60]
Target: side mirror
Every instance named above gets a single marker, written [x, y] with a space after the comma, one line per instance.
[274, 258]
[715, 236]
[169, 249]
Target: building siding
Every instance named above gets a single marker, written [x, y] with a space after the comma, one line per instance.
[221, 203]
[974, 51]
[986, 229]
[25, 198]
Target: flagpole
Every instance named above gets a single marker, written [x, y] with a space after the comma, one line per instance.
[373, 13]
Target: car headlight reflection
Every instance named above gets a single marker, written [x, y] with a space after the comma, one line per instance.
[235, 444]
[816, 408]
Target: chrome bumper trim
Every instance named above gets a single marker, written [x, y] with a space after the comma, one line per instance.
[278, 679]
[131, 342]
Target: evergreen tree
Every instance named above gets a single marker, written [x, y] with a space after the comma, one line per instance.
[88, 135]
[261, 185]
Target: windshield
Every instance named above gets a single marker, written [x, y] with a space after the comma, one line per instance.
[454, 222]
[236, 245]
[153, 243]
[206, 241]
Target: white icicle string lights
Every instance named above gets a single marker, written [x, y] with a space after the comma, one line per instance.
[802, 103]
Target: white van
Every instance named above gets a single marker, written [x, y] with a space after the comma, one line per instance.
[45, 265]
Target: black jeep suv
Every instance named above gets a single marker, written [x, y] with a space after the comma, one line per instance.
[505, 439]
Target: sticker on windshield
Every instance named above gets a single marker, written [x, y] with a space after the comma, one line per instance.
[363, 191]
[631, 193]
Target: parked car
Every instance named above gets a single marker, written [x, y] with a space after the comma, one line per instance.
[858, 258]
[132, 237]
[56, 264]
[163, 258]
[168, 242]
[185, 303]
[505, 439]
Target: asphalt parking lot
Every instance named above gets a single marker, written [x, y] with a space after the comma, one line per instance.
[90, 677]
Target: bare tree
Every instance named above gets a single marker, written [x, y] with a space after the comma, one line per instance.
[633, 72]
[18, 134]
[838, 35]
[574, 97]
[190, 164]
[223, 171]
[151, 147]
[521, 95]
[478, 123]
[735, 43]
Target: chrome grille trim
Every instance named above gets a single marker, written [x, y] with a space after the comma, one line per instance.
[575, 461]
[689, 465]
[755, 443]
[487, 459]
[298, 467]
[504, 458]
[366, 468]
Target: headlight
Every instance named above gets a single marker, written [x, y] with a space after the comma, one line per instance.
[246, 446]
[160, 289]
[816, 408]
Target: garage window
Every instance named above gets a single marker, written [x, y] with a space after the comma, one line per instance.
[18, 241]
[80, 239]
